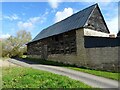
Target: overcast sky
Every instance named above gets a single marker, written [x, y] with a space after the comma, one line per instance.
[36, 16]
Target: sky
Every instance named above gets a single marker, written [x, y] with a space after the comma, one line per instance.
[35, 16]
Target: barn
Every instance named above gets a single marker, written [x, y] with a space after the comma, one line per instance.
[74, 40]
[118, 34]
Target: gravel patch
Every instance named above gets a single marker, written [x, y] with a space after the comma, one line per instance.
[6, 63]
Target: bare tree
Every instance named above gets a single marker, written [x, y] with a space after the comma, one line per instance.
[16, 45]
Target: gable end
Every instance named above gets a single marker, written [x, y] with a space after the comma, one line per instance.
[96, 21]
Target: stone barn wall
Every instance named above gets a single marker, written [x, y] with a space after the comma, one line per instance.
[60, 48]
[103, 58]
[77, 58]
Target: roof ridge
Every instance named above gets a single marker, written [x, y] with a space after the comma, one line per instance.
[90, 9]
[78, 12]
[72, 15]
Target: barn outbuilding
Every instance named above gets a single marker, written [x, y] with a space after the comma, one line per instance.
[118, 34]
[81, 39]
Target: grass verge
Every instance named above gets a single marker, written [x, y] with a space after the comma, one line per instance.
[18, 77]
[106, 74]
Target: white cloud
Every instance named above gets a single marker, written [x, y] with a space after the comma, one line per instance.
[60, 15]
[11, 17]
[29, 24]
[15, 17]
[25, 25]
[113, 25]
[34, 19]
[4, 36]
[54, 3]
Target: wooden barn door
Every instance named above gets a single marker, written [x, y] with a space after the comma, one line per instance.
[44, 52]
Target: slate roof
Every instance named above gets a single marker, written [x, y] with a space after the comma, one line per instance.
[75, 21]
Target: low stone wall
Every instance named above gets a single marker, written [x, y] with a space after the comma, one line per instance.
[105, 58]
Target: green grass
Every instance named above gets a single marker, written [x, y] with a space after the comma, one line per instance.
[18, 77]
[105, 74]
